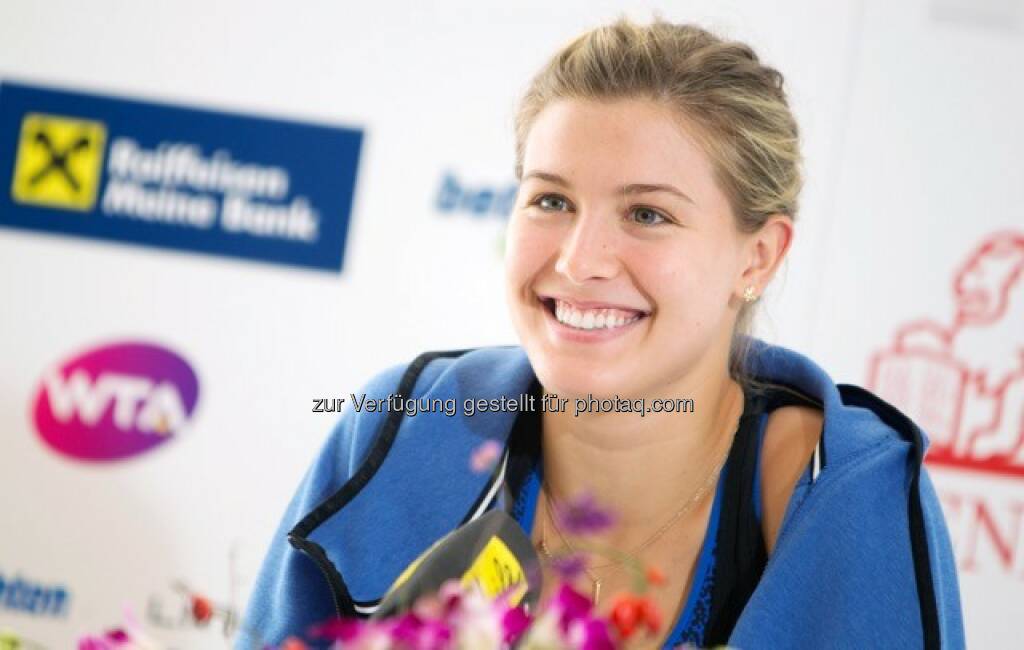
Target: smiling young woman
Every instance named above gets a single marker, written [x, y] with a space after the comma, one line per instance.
[624, 271]
[659, 178]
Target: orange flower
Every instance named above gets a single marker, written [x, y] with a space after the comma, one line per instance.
[650, 614]
[202, 608]
[655, 576]
[629, 611]
[291, 643]
[625, 615]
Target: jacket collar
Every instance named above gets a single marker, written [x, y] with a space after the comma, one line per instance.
[421, 486]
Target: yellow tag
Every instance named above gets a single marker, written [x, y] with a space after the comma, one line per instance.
[496, 570]
[60, 161]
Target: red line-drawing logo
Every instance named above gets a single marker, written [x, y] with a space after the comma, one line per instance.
[963, 383]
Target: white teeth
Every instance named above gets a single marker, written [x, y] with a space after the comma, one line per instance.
[591, 319]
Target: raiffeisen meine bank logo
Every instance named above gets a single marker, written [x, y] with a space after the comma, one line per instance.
[166, 176]
[963, 383]
[115, 401]
[59, 162]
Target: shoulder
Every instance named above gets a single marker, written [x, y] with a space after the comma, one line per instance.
[847, 425]
[862, 450]
[855, 421]
[791, 435]
[869, 519]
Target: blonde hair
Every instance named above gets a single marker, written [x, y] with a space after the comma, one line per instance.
[735, 104]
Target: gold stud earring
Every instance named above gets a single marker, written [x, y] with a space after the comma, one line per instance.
[749, 295]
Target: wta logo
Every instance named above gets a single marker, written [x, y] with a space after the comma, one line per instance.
[115, 401]
[963, 382]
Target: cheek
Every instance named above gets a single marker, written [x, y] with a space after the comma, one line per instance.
[527, 248]
[685, 282]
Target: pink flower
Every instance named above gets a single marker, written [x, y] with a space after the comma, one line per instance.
[485, 456]
[591, 634]
[514, 623]
[570, 605]
[543, 634]
[116, 639]
[337, 629]
[118, 636]
[477, 623]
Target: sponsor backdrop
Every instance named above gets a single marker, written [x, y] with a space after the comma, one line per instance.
[214, 213]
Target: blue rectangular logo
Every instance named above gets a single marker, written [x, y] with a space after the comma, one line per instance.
[136, 172]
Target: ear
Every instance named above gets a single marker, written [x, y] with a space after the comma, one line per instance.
[764, 251]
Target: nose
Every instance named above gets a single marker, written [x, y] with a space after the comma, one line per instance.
[588, 251]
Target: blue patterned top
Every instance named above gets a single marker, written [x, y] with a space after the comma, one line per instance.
[689, 627]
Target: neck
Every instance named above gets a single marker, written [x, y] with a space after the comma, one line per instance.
[642, 469]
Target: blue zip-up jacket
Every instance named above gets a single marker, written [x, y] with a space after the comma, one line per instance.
[862, 558]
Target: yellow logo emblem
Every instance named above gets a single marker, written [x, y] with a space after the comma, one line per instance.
[59, 162]
[495, 571]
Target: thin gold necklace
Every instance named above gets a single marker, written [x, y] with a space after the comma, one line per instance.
[596, 581]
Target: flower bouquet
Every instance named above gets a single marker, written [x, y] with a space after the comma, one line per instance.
[463, 615]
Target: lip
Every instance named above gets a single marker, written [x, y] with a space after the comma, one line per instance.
[565, 333]
[592, 304]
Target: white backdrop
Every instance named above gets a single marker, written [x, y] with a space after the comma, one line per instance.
[910, 118]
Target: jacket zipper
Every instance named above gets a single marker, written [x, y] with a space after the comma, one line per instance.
[303, 546]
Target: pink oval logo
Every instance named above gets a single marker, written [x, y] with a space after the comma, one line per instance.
[115, 401]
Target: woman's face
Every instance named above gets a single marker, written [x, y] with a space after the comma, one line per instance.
[623, 261]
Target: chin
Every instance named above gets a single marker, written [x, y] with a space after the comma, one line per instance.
[574, 377]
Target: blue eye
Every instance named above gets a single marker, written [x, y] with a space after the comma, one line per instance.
[551, 202]
[647, 216]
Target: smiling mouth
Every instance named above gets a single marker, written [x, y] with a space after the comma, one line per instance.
[590, 319]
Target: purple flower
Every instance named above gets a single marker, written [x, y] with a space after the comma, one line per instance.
[568, 566]
[582, 516]
[533, 572]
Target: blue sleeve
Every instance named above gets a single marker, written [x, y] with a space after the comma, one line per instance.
[843, 571]
[943, 562]
[290, 593]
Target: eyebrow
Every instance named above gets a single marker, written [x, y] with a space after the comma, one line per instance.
[632, 188]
